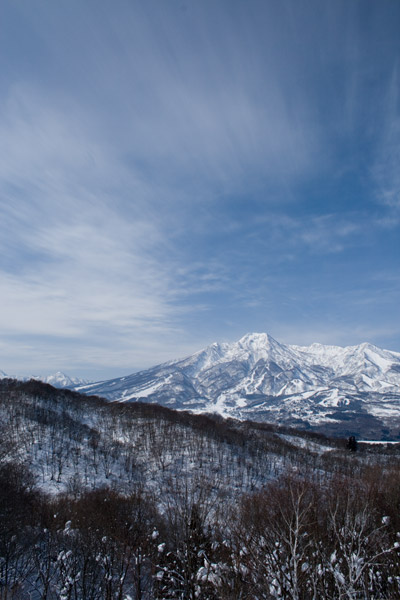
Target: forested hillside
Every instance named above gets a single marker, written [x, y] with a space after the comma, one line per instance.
[133, 501]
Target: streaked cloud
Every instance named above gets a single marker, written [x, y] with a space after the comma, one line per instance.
[173, 174]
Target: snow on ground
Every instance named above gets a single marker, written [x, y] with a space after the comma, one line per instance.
[301, 442]
[384, 410]
[383, 363]
[379, 441]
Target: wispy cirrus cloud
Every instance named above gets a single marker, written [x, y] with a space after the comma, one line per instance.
[73, 264]
[172, 174]
[386, 169]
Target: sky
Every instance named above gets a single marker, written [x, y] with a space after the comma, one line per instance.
[179, 172]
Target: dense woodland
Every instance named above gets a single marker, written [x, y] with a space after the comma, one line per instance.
[134, 501]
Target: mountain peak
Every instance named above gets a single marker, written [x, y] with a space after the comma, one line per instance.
[60, 380]
[257, 338]
[256, 346]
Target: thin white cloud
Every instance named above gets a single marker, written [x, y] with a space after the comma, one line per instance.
[195, 96]
[74, 264]
[127, 159]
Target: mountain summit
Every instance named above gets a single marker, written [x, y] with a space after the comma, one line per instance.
[317, 386]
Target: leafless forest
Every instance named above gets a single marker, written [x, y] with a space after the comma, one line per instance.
[134, 501]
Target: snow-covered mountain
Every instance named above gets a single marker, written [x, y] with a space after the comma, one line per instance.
[330, 387]
[60, 380]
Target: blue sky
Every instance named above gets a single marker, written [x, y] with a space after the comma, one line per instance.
[174, 173]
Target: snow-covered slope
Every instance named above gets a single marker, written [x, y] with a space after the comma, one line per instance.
[259, 378]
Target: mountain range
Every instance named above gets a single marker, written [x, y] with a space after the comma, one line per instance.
[342, 391]
[58, 380]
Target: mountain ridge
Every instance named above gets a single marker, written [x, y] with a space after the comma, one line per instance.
[259, 378]
[57, 380]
